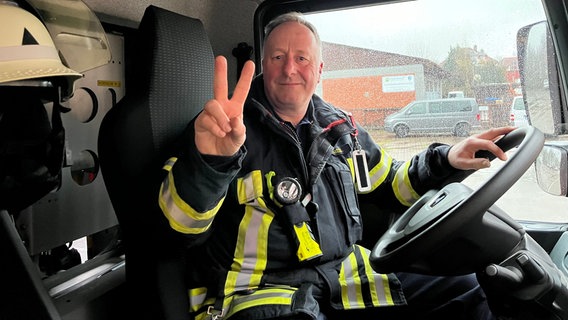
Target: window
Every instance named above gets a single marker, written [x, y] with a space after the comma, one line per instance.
[418, 108]
[476, 55]
[519, 104]
[436, 107]
[462, 106]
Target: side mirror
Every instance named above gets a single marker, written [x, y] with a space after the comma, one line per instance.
[539, 77]
[551, 168]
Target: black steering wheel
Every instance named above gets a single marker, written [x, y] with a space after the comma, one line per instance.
[457, 230]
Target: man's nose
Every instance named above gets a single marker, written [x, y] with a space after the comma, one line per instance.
[289, 66]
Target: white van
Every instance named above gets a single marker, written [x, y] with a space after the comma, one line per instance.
[518, 113]
[457, 116]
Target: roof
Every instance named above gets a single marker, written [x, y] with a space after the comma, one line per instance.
[341, 57]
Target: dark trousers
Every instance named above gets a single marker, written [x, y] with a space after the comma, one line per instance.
[429, 297]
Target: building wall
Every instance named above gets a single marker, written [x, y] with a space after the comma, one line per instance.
[370, 94]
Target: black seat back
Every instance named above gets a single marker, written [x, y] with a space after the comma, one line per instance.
[169, 80]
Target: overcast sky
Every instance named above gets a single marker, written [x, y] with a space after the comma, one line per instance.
[492, 25]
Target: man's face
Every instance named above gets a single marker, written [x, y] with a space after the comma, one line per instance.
[291, 66]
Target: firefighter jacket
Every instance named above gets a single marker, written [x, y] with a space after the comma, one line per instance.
[246, 239]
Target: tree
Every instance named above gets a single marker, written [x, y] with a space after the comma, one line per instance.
[490, 71]
[470, 67]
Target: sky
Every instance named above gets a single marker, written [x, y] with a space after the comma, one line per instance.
[492, 25]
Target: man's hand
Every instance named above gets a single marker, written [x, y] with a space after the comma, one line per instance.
[462, 154]
[219, 128]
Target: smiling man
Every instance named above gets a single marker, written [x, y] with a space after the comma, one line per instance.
[266, 186]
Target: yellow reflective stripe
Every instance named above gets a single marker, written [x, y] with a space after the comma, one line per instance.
[198, 298]
[251, 251]
[351, 168]
[249, 187]
[182, 216]
[202, 316]
[238, 302]
[265, 296]
[351, 295]
[378, 173]
[169, 164]
[352, 284]
[402, 187]
[198, 301]
[379, 282]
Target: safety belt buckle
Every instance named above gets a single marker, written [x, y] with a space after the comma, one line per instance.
[214, 314]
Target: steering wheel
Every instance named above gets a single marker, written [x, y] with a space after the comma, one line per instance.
[457, 230]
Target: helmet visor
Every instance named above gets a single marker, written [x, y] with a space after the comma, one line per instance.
[76, 32]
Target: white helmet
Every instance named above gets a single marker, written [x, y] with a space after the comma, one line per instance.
[27, 50]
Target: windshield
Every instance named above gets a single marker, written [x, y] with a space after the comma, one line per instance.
[407, 107]
[378, 59]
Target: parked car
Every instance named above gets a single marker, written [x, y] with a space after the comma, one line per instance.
[456, 94]
[457, 116]
[519, 116]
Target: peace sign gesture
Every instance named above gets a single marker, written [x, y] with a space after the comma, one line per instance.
[219, 128]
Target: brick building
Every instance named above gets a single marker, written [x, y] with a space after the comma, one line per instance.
[372, 84]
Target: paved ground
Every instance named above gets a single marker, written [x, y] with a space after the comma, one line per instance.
[524, 200]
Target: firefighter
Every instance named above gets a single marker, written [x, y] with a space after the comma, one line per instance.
[267, 184]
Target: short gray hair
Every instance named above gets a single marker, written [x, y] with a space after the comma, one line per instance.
[292, 16]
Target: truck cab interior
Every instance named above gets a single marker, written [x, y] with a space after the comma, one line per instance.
[85, 238]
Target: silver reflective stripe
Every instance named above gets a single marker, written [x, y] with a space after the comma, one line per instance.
[354, 274]
[250, 187]
[262, 297]
[183, 217]
[169, 164]
[381, 295]
[379, 173]
[251, 251]
[350, 284]
[197, 298]
[402, 187]
[35, 52]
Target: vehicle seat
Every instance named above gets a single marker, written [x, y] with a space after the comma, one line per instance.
[168, 82]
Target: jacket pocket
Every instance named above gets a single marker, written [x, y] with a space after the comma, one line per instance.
[344, 197]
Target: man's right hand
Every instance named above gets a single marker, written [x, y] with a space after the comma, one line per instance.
[219, 128]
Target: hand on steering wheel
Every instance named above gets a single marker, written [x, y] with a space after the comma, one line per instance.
[447, 231]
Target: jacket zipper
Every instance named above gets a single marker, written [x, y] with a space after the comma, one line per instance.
[290, 134]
